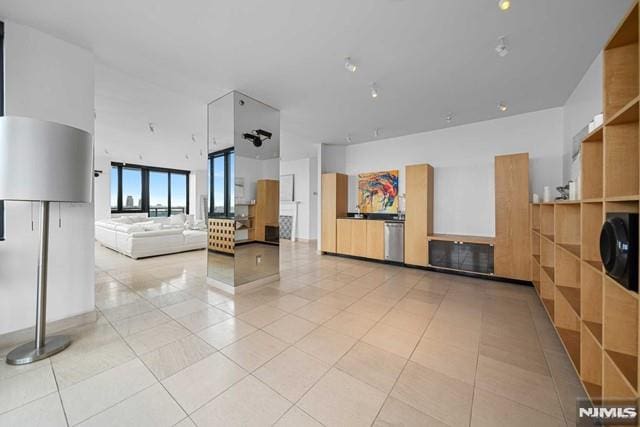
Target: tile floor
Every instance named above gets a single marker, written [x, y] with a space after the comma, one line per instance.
[334, 342]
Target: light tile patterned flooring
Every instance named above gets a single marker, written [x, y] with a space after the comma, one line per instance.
[334, 342]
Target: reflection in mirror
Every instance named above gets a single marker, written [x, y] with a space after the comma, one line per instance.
[220, 261]
[244, 192]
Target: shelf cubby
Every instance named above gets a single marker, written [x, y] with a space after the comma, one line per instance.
[567, 226]
[547, 222]
[564, 315]
[592, 220]
[621, 159]
[567, 278]
[591, 363]
[621, 77]
[620, 334]
[591, 299]
[535, 217]
[571, 340]
[614, 384]
[593, 161]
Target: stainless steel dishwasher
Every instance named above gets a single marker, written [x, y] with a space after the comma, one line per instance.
[394, 241]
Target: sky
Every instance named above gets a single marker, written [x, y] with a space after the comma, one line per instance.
[158, 188]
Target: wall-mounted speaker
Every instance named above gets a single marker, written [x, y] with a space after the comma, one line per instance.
[619, 248]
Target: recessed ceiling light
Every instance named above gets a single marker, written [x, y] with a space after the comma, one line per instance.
[504, 5]
[374, 90]
[502, 107]
[502, 49]
[349, 65]
[449, 117]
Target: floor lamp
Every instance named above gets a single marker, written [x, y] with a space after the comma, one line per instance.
[43, 162]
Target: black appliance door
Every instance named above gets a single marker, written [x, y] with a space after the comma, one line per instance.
[615, 247]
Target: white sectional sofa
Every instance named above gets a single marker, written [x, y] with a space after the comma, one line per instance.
[139, 236]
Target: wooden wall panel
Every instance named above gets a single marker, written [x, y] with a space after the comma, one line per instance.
[419, 213]
[334, 205]
[511, 255]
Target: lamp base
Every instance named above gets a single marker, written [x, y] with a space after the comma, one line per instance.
[28, 353]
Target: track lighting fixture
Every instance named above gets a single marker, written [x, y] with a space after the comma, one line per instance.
[350, 66]
[348, 139]
[377, 132]
[374, 91]
[449, 117]
[193, 137]
[502, 107]
[152, 127]
[504, 5]
[257, 137]
[502, 49]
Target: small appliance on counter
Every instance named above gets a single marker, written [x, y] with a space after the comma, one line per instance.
[619, 248]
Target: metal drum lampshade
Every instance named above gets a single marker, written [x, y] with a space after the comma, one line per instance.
[44, 162]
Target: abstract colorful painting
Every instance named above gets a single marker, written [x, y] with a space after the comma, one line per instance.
[378, 192]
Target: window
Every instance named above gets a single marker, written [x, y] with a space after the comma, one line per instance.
[221, 195]
[158, 191]
[179, 188]
[115, 184]
[131, 184]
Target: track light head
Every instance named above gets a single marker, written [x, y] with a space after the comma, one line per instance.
[349, 65]
[254, 139]
[502, 49]
[374, 91]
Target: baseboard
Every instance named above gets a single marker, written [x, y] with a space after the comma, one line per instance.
[234, 290]
[12, 339]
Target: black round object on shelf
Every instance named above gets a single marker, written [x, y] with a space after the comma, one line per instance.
[619, 248]
[614, 247]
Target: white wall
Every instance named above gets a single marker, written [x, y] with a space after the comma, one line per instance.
[463, 158]
[584, 103]
[125, 106]
[48, 79]
[305, 193]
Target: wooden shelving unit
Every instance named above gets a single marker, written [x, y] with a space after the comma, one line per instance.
[596, 319]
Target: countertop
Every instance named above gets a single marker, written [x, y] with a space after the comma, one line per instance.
[372, 219]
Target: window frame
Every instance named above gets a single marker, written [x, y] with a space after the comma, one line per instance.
[227, 185]
[144, 201]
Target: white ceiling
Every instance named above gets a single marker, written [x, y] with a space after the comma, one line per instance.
[427, 57]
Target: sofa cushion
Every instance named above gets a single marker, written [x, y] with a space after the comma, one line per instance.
[177, 219]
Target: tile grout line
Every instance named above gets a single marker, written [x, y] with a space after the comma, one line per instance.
[409, 359]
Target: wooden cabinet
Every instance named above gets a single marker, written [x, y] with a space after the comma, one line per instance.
[267, 207]
[375, 240]
[512, 257]
[359, 237]
[343, 236]
[419, 213]
[334, 205]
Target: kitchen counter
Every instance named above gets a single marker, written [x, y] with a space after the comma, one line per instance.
[371, 219]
